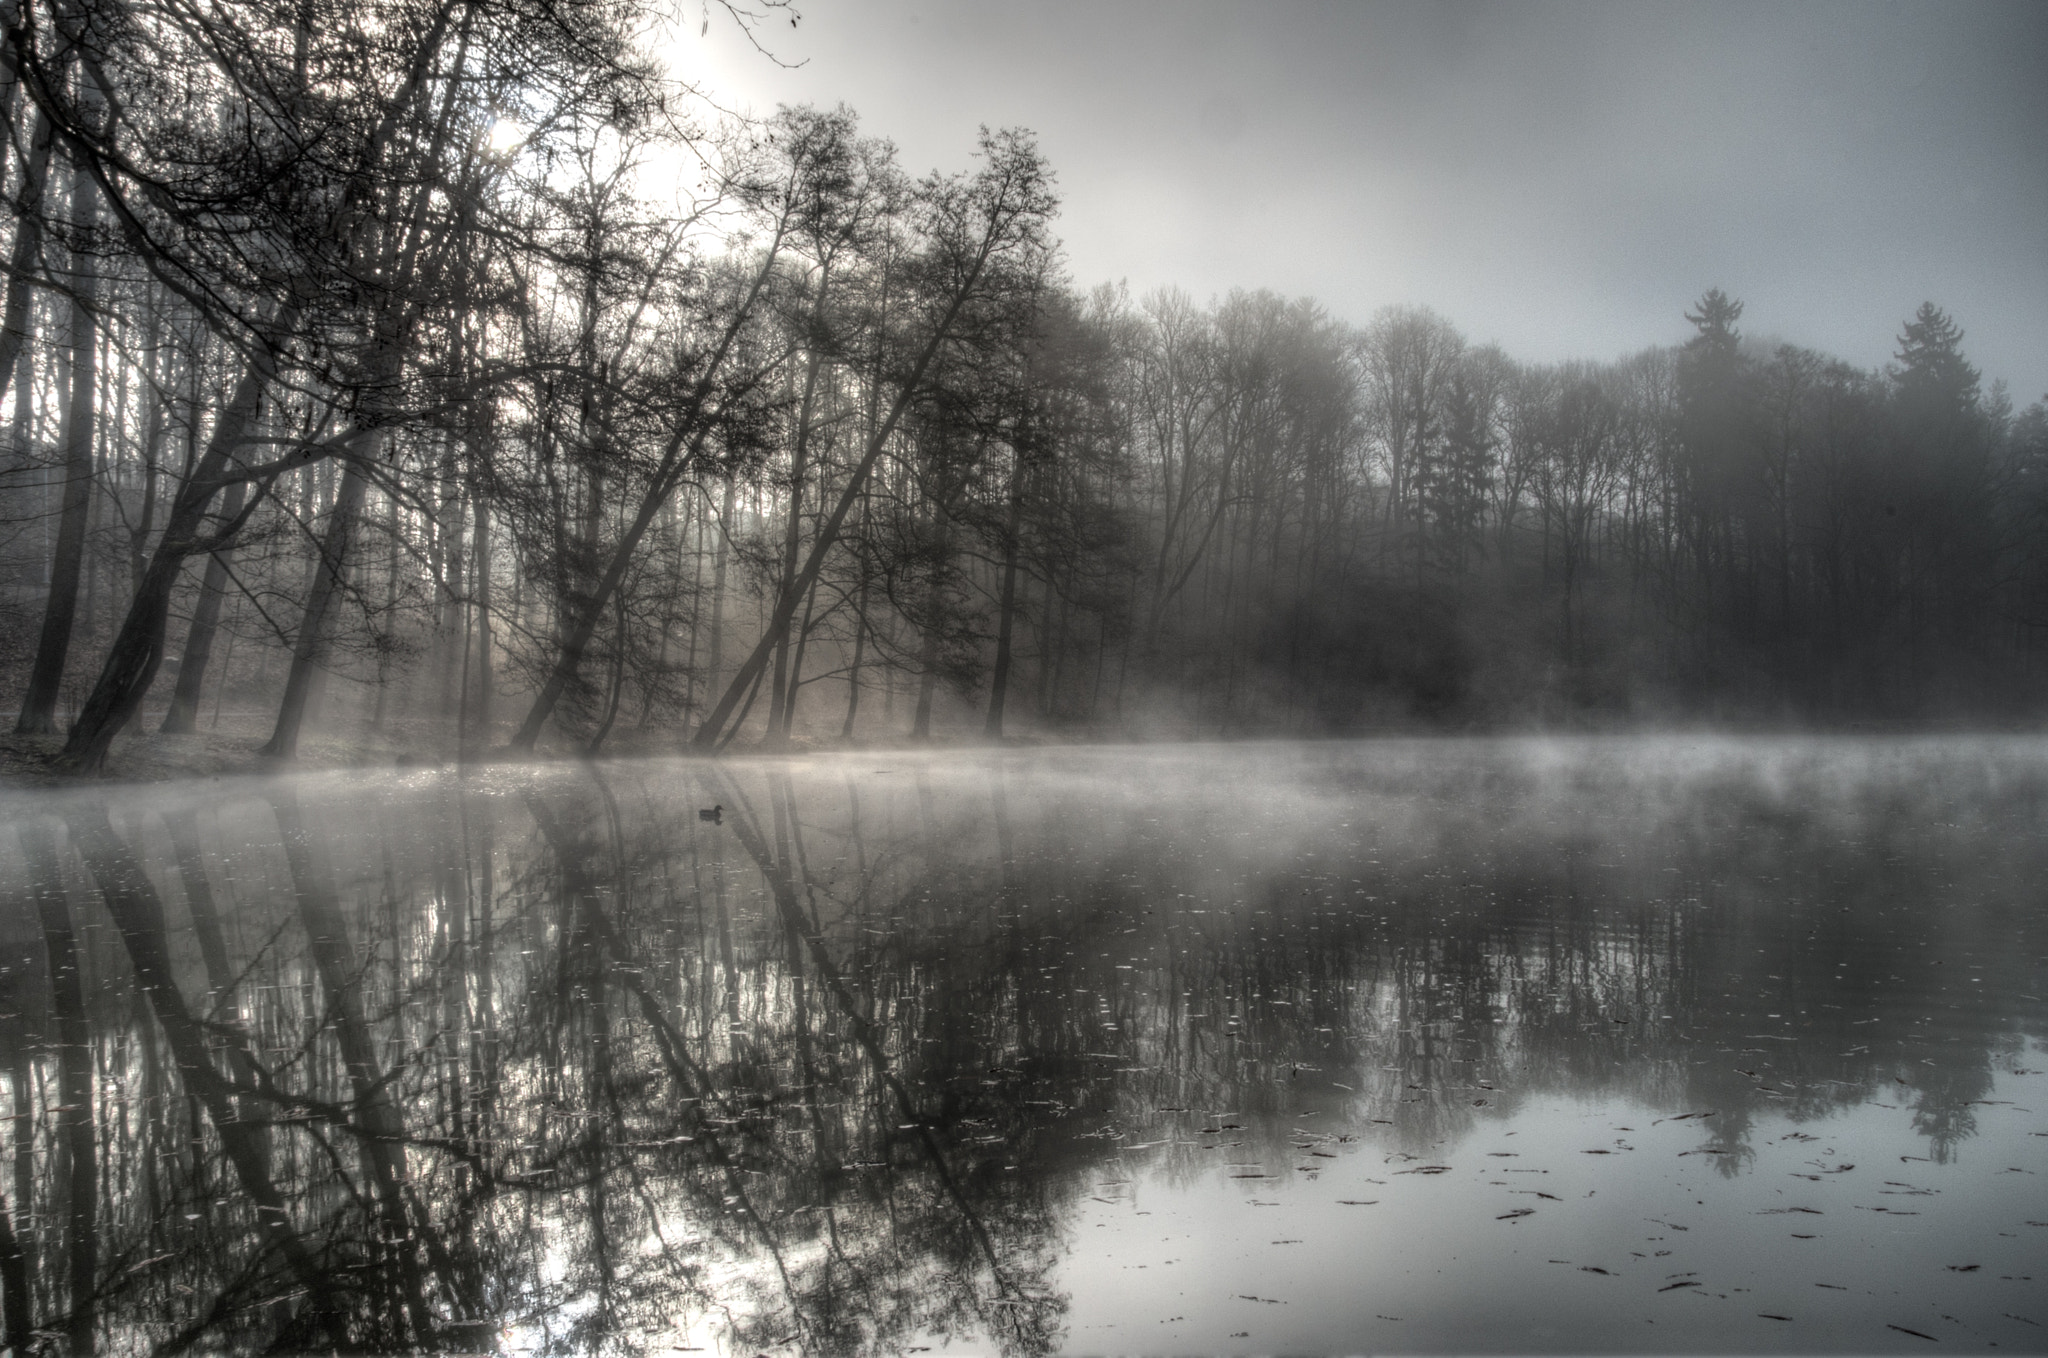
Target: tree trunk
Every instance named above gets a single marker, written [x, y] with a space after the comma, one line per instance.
[60, 606]
[391, 560]
[681, 453]
[18, 317]
[718, 565]
[183, 717]
[782, 695]
[707, 737]
[927, 682]
[685, 449]
[480, 573]
[860, 638]
[796, 664]
[138, 647]
[999, 679]
[309, 647]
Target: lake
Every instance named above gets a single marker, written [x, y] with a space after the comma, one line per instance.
[1589, 1045]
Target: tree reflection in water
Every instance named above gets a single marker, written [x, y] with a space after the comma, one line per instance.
[538, 1060]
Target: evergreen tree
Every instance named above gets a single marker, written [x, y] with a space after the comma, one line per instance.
[1935, 383]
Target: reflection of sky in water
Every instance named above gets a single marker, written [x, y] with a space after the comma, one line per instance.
[1364, 1252]
[1179, 1038]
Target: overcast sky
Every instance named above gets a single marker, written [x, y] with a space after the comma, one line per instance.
[1564, 179]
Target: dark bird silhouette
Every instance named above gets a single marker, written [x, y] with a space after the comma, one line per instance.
[715, 815]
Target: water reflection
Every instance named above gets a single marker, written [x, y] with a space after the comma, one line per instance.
[541, 1061]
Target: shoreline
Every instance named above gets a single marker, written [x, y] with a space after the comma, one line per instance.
[148, 757]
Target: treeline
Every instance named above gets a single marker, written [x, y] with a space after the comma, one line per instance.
[421, 363]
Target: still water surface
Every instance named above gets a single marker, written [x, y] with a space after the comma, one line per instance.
[1605, 1045]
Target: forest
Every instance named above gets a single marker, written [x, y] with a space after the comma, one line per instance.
[449, 369]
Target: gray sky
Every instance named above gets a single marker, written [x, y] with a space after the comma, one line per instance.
[1564, 179]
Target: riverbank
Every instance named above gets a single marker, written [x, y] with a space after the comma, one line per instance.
[231, 750]
[151, 757]
[148, 756]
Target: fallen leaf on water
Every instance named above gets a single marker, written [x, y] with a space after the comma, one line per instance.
[1673, 1287]
[1518, 1212]
[1593, 1268]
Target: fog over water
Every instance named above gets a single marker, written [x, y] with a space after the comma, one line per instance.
[757, 512]
[1619, 1044]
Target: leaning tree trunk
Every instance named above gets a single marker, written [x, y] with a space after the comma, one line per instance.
[309, 647]
[183, 717]
[783, 695]
[60, 606]
[138, 647]
[794, 591]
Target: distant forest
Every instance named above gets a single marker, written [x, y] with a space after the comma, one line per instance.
[429, 366]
